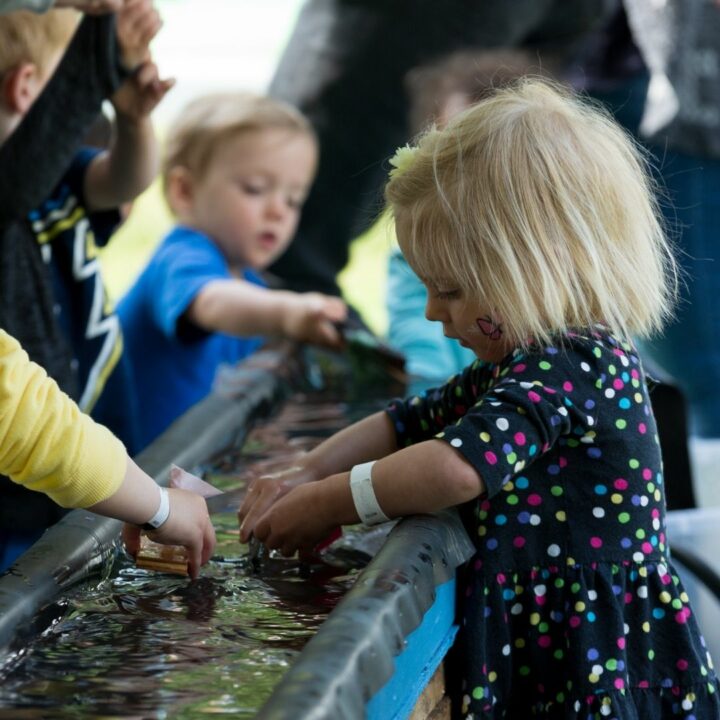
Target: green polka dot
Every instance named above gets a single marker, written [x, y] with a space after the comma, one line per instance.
[512, 458]
[620, 424]
[524, 670]
[559, 582]
[512, 499]
[459, 391]
[612, 369]
[633, 463]
[640, 534]
[556, 490]
[543, 627]
[611, 664]
[575, 587]
[558, 655]
[624, 517]
[478, 693]
[651, 654]
[544, 365]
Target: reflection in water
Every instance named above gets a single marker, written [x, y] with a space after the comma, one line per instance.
[146, 645]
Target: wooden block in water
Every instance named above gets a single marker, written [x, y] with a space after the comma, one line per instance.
[162, 558]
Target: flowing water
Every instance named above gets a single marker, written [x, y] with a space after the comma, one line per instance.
[139, 644]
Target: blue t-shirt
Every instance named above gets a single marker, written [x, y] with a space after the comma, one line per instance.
[173, 361]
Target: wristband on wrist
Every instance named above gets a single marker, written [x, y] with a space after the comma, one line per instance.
[162, 514]
[363, 495]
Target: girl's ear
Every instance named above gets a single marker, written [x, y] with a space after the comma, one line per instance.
[20, 87]
[179, 190]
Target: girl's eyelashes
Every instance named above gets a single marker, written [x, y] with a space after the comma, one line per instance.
[446, 294]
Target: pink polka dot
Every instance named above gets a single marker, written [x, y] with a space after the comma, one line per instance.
[596, 542]
[618, 384]
[534, 396]
[621, 643]
[500, 578]
[549, 391]
[647, 548]
[519, 541]
[647, 474]
[562, 462]
[534, 499]
[634, 374]
[619, 683]
[567, 386]
[520, 438]
[490, 457]
[544, 641]
[519, 368]
[681, 617]
[628, 598]
[642, 428]
[643, 684]
[682, 664]
[574, 621]
[621, 484]
[655, 513]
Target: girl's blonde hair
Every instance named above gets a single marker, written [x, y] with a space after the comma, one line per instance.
[537, 206]
[209, 121]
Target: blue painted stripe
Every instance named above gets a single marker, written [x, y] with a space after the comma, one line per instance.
[425, 648]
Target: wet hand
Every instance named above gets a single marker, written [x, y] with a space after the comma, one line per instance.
[313, 318]
[266, 490]
[188, 525]
[297, 521]
[137, 24]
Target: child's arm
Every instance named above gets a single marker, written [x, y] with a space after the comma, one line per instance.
[92, 7]
[121, 173]
[48, 445]
[237, 307]
[424, 478]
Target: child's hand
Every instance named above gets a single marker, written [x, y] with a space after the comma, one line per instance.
[188, 525]
[298, 521]
[264, 491]
[92, 7]
[140, 94]
[138, 23]
[311, 318]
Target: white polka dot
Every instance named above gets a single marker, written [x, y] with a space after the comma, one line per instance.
[609, 393]
[519, 465]
[502, 424]
[506, 650]
[516, 609]
[584, 366]
[456, 442]
[626, 628]
[687, 704]
[592, 595]
[638, 557]
[656, 524]
[553, 550]
[539, 590]
[598, 512]
[526, 385]
[597, 669]
[562, 411]
[605, 710]
[590, 421]
[644, 500]
[642, 591]
[534, 519]
[625, 362]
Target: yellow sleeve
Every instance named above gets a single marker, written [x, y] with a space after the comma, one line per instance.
[46, 442]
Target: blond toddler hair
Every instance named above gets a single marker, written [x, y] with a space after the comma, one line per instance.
[540, 209]
[209, 121]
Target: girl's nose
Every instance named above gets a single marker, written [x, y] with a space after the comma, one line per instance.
[277, 205]
[434, 309]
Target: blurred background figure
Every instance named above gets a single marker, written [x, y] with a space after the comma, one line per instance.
[680, 41]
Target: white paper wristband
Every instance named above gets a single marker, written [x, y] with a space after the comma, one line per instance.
[163, 512]
[363, 495]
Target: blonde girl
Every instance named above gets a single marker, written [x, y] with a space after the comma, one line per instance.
[530, 220]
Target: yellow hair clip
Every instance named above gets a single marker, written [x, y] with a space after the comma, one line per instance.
[402, 159]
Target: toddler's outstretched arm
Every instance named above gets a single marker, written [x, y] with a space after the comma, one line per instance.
[237, 307]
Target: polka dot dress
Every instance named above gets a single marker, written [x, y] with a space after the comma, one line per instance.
[572, 608]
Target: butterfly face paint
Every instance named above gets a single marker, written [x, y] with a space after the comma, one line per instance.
[488, 327]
